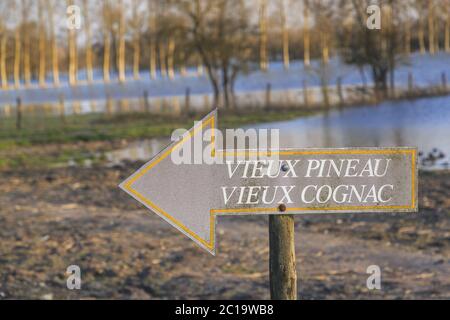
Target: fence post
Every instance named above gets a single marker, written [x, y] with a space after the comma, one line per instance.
[19, 113]
[187, 101]
[146, 103]
[62, 111]
[444, 81]
[282, 265]
[410, 82]
[339, 90]
[268, 95]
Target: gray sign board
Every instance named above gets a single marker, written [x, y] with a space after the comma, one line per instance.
[297, 181]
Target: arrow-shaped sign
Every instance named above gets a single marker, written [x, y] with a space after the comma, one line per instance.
[292, 181]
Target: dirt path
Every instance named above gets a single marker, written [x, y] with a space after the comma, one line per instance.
[54, 218]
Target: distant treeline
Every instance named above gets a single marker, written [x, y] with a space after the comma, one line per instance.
[40, 41]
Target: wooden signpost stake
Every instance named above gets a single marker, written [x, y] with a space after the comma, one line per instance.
[282, 266]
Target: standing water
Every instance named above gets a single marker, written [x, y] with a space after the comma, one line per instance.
[422, 123]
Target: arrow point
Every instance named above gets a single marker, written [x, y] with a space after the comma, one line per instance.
[170, 189]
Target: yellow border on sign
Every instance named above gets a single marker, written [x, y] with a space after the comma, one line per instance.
[128, 187]
[213, 212]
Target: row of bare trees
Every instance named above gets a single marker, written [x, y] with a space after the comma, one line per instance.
[217, 37]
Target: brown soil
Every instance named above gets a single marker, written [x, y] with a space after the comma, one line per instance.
[54, 218]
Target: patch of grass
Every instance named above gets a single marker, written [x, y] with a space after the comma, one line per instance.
[67, 133]
[101, 127]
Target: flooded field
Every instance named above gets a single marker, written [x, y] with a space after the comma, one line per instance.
[422, 123]
[75, 214]
[91, 91]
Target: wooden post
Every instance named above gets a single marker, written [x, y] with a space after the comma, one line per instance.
[444, 81]
[146, 103]
[339, 90]
[187, 101]
[62, 109]
[282, 265]
[19, 114]
[410, 82]
[268, 95]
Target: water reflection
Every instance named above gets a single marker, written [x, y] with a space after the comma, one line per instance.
[142, 150]
[423, 123]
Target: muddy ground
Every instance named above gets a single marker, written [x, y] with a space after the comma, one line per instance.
[53, 218]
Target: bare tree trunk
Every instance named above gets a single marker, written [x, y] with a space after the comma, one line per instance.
[3, 71]
[170, 58]
[183, 63]
[136, 41]
[121, 49]
[213, 77]
[391, 46]
[447, 28]
[226, 96]
[408, 37]
[73, 64]
[107, 57]
[162, 59]
[285, 35]
[152, 27]
[55, 59]
[27, 60]
[263, 35]
[107, 46]
[42, 45]
[325, 48]
[431, 36]
[17, 56]
[152, 59]
[87, 25]
[203, 59]
[136, 57]
[26, 43]
[421, 36]
[437, 32]
[306, 36]
[72, 58]
[227, 84]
